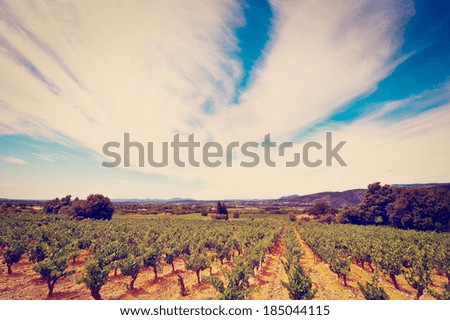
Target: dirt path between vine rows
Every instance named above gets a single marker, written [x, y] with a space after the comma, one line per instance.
[267, 283]
[329, 287]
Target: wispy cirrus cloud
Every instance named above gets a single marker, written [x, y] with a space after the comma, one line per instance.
[14, 160]
[82, 73]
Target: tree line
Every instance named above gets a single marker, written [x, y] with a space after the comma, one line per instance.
[96, 206]
[425, 209]
[402, 207]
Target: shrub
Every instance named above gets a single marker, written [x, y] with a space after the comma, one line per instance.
[327, 218]
[183, 290]
[292, 216]
[237, 283]
[94, 276]
[152, 258]
[303, 219]
[299, 285]
[197, 262]
[236, 215]
[130, 267]
[53, 268]
[444, 295]
[373, 291]
[13, 254]
[219, 216]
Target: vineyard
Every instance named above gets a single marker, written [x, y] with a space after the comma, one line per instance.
[173, 257]
[419, 257]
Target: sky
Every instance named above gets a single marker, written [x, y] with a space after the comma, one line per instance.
[77, 74]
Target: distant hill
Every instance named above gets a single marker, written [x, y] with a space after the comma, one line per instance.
[334, 198]
[349, 197]
[155, 200]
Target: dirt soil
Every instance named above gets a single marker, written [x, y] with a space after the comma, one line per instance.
[24, 283]
[330, 288]
[267, 284]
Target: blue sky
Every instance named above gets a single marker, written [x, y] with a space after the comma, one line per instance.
[376, 74]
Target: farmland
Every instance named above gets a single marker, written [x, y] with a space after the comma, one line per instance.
[195, 257]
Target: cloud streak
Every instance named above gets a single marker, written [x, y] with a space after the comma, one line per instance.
[83, 73]
[14, 160]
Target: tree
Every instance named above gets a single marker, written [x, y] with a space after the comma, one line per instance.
[421, 209]
[402, 207]
[222, 209]
[65, 201]
[55, 205]
[375, 202]
[96, 206]
[322, 208]
[351, 214]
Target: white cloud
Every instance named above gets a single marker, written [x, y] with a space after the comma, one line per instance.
[89, 71]
[414, 150]
[143, 67]
[322, 57]
[45, 157]
[14, 160]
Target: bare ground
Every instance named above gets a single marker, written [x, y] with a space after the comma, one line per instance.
[268, 280]
[24, 283]
[329, 287]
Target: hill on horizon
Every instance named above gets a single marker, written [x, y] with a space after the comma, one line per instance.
[349, 197]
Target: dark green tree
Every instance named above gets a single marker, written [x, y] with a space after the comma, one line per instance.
[96, 206]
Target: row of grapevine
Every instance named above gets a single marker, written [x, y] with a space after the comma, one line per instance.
[130, 245]
[299, 285]
[393, 252]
